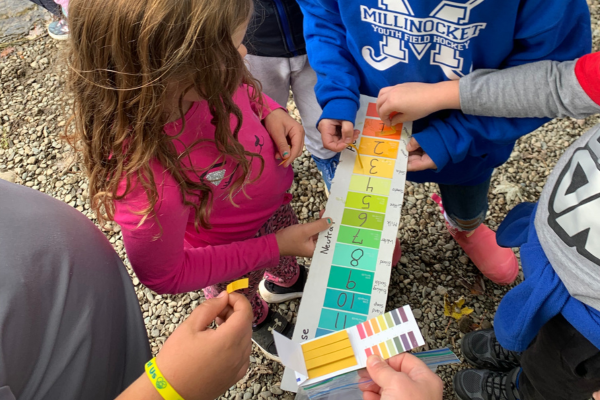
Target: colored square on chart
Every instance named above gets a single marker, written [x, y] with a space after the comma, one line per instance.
[372, 110]
[378, 147]
[376, 128]
[382, 323]
[395, 316]
[388, 319]
[373, 166]
[347, 301]
[361, 331]
[391, 347]
[370, 184]
[398, 345]
[350, 279]
[363, 219]
[402, 314]
[322, 332]
[358, 236]
[368, 329]
[353, 256]
[375, 325]
[368, 352]
[413, 339]
[337, 320]
[365, 201]
[405, 342]
[384, 352]
[376, 350]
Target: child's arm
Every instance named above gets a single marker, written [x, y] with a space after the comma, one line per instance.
[164, 262]
[338, 76]
[544, 89]
[543, 30]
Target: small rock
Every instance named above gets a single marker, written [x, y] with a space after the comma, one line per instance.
[31, 160]
[247, 395]
[417, 313]
[265, 395]
[256, 388]
[8, 176]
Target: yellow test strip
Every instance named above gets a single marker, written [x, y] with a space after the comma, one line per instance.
[237, 285]
[329, 358]
[325, 341]
[337, 346]
[357, 154]
[333, 367]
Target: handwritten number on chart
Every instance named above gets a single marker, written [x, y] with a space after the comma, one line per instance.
[355, 236]
[343, 302]
[336, 321]
[375, 149]
[350, 284]
[356, 255]
[363, 217]
[366, 202]
[369, 187]
[372, 170]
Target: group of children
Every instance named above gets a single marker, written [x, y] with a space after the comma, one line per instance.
[188, 148]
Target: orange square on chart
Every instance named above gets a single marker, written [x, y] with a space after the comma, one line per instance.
[372, 110]
[376, 128]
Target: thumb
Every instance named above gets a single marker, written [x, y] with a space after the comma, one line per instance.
[347, 132]
[206, 313]
[412, 145]
[381, 373]
[320, 225]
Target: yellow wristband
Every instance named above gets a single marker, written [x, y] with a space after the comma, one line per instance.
[160, 383]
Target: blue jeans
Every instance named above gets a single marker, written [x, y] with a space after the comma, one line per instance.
[466, 206]
[327, 168]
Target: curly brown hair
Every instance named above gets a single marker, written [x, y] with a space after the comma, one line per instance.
[123, 55]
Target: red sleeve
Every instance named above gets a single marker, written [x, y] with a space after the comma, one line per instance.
[163, 262]
[587, 71]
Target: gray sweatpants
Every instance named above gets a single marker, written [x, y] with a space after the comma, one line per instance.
[276, 76]
[70, 323]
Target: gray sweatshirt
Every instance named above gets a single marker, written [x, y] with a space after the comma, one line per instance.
[568, 214]
[542, 89]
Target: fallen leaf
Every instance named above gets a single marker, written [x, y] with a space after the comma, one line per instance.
[511, 191]
[456, 309]
[36, 32]
[6, 51]
[477, 288]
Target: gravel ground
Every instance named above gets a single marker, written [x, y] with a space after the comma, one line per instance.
[32, 116]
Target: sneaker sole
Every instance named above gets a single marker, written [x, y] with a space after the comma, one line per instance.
[58, 37]
[274, 298]
[270, 356]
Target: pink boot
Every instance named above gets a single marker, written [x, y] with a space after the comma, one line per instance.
[497, 263]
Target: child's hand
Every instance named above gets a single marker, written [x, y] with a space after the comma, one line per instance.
[413, 101]
[337, 134]
[184, 358]
[300, 240]
[403, 377]
[285, 131]
[418, 160]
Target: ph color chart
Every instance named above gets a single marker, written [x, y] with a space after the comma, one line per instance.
[350, 270]
[325, 357]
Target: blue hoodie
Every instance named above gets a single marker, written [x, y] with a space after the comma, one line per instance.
[361, 46]
[543, 295]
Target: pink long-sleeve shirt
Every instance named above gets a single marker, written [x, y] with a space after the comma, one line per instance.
[183, 259]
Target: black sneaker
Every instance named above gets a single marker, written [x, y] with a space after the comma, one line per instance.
[262, 334]
[477, 384]
[481, 349]
[273, 293]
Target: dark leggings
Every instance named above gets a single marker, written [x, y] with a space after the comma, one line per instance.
[560, 364]
[49, 5]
